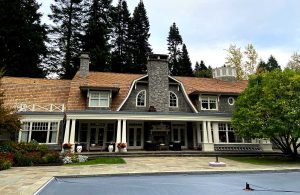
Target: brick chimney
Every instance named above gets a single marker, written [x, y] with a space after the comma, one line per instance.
[158, 72]
[84, 65]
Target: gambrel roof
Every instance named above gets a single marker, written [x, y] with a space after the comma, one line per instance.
[35, 91]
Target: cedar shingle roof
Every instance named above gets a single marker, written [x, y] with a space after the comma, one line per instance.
[19, 90]
[44, 91]
[208, 85]
[101, 79]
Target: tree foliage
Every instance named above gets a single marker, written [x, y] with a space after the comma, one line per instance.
[121, 51]
[294, 62]
[174, 42]
[97, 34]
[22, 38]
[9, 120]
[201, 70]
[272, 64]
[140, 47]
[270, 108]
[185, 65]
[66, 35]
[234, 59]
[250, 63]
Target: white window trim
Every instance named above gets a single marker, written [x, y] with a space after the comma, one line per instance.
[99, 92]
[170, 100]
[212, 97]
[145, 98]
[232, 102]
[48, 131]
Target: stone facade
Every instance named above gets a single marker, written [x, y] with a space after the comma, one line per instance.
[130, 104]
[158, 72]
[183, 105]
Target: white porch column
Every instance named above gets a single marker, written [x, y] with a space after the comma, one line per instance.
[67, 132]
[205, 138]
[118, 139]
[210, 140]
[124, 132]
[198, 134]
[72, 134]
[216, 133]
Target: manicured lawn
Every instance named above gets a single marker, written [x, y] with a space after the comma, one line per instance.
[102, 160]
[264, 160]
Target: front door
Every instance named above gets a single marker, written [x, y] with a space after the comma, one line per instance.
[135, 137]
[179, 134]
[97, 136]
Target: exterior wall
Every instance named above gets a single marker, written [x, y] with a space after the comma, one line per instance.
[223, 105]
[130, 104]
[183, 105]
[158, 72]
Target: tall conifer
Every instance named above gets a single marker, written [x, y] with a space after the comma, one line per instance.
[185, 65]
[22, 38]
[174, 42]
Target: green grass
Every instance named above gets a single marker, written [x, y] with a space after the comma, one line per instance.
[102, 160]
[265, 160]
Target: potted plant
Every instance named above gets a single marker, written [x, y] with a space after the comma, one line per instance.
[67, 147]
[122, 147]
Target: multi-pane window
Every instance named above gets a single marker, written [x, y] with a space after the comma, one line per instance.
[208, 103]
[141, 99]
[98, 99]
[227, 135]
[42, 132]
[173, 99]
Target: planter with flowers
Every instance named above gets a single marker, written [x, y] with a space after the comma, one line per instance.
[67, 147]
[122, 147]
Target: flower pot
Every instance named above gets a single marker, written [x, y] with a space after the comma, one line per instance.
[79, 149]
[123, 150]
[110, 148]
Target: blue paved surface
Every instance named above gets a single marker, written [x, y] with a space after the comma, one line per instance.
[207, 184]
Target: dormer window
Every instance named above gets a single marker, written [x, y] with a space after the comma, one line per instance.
[99, 99]
[141, 99]
[173, 99]
[208, 103]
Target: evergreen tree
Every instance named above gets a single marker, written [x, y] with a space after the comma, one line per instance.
[261, 67]
[140, 46]
[66, 35]
[98, 31]
[121, 55]
[197, 66]
[185, 65]
[22, 38]
[174, 42]
[272, 64]
[203, 71]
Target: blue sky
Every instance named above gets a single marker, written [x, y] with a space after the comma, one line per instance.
[208, 27]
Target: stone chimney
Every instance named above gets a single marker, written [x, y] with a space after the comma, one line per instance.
[225, 73]
[84, 65]
[158, 72]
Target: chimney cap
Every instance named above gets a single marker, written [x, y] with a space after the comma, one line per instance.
[158, 57]
[84, 55]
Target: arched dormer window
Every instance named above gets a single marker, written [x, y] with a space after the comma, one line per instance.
[141, 99]
[173, 100]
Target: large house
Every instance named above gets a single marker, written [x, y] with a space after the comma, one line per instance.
[148, 111]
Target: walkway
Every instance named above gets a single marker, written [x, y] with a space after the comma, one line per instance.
[27, 180]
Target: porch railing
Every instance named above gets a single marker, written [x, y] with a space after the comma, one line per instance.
[237, 147]
[40, 107]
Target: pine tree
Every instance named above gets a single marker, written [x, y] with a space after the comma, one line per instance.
[174, 42]
[140, 46]
[22, 38]
[98, 31]
[203, 71]
[261, 67]
[197, 66]
[185, 65]
[272, 64]
[66, 34]
[121, 54]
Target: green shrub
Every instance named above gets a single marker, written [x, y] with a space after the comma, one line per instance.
[51, 157]
[22, 160]
[5, 164]
[43, 148]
